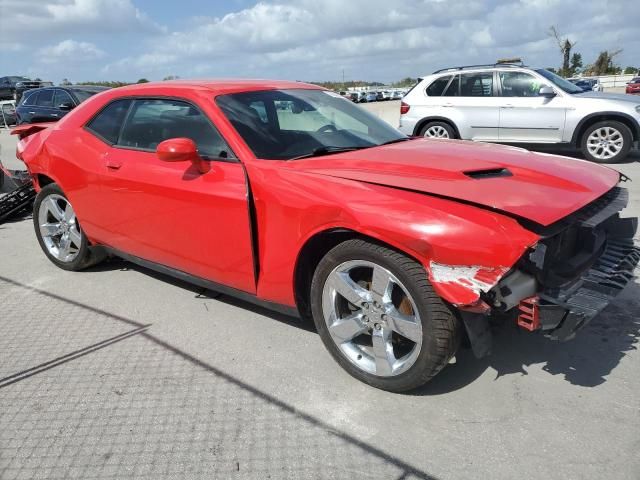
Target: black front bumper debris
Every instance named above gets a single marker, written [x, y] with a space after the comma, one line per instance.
[561, 312]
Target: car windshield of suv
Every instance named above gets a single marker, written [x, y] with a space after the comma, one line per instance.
[560, 82]
[83, 94]
[288, 124]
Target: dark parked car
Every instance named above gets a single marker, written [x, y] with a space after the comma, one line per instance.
[12, 88]
[52, 103]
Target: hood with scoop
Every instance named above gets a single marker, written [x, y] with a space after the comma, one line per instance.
[536, 186]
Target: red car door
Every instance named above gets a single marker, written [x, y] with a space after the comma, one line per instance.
[169, 213]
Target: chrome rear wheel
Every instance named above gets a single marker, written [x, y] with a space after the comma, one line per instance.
[59, 228]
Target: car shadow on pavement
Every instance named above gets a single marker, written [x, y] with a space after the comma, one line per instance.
[585, 361]
[204, 293]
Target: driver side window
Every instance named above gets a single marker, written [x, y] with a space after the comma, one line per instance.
[519, 84]
[152, 121]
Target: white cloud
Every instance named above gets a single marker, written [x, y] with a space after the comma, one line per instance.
[311, 39]
[39, 18]
[70, 51]
[305, 38]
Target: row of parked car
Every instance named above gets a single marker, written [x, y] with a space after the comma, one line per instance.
[26, 101]
[373, 96]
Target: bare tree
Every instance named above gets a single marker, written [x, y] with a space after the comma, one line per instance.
[604, 63]
[565, 46]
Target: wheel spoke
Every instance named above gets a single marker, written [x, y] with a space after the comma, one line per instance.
[65, 245]
[50, 229]
[345, 329]
[383, 351]
[405, 325]
[69, 214]
[349, 289]
[75, 237]
[52, 207]
[380, 282]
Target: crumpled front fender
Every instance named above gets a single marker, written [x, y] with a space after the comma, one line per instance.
[463, 284]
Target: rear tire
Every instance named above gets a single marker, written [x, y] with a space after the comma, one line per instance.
[59, 233]
[414, 329]
[437, 130]
[606, 142]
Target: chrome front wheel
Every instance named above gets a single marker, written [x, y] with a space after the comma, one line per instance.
[379, 317]
[372, 318]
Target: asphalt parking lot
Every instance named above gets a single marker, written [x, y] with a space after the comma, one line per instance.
[119, 372]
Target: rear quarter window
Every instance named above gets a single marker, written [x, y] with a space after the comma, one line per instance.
[437, 87]
[29, 99]
[108, 122]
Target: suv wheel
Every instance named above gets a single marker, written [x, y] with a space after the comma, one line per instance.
[606, 142]
[437, 130]
[378, 316]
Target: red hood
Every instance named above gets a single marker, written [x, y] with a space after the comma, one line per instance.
[540, 187]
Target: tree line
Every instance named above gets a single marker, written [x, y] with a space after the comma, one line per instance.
[572, 64]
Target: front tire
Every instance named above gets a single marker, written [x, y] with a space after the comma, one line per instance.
[379, 317]
[606, 142]
[59, 233]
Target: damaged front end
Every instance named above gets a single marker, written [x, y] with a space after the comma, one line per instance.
[581, 268]
[569, 276]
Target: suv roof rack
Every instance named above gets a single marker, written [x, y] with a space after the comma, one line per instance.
[488, 65]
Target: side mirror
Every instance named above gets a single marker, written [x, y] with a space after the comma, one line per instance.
[547, 92]
[182, 150]
[66, 106]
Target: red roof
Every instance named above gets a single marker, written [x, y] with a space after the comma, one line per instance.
[223, 85]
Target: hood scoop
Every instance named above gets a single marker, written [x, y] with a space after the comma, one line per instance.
[488, 173]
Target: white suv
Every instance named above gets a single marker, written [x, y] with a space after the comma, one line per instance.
[514, 104]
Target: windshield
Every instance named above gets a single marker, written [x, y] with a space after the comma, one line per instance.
[82, 94]
[559, 81]
[18, 79]
[286, 124]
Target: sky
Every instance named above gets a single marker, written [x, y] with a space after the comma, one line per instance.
[314, 40]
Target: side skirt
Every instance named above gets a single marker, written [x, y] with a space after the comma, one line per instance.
[208, 284]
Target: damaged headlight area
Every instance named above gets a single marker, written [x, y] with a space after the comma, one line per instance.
[577, 267]
[575, 271]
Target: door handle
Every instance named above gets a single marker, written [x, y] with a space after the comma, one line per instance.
[448, 105]
[507, 106]
[32, 113]
[54, 114]
[113, 164]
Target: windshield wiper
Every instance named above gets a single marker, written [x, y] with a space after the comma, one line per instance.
[328, 150]
[396, 140]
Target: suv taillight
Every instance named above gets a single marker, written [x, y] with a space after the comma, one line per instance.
[404, 108]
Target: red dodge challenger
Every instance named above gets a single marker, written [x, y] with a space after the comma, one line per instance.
[287, 195]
